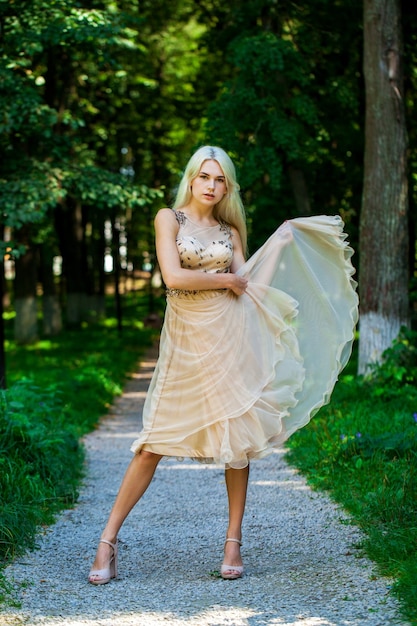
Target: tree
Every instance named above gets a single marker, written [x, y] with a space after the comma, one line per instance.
[384, 261]
[290, 108]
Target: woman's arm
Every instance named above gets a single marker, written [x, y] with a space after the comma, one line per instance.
[177, 277]
[238, 256]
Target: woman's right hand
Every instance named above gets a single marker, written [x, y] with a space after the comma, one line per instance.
[238, 284]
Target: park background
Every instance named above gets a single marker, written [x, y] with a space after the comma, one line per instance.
[102, 104]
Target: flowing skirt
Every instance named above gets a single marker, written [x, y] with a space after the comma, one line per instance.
[237, 375]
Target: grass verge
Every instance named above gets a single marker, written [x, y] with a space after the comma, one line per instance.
[362, 449]
[57, 391]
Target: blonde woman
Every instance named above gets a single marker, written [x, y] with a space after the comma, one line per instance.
[249, 350]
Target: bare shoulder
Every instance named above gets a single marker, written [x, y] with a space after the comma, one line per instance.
[235, 236]
[165, 218]
[165, 215]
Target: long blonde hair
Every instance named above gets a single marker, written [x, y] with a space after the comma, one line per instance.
[230, 208]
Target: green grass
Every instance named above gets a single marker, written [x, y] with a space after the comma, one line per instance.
[57, 391]
[362, 449]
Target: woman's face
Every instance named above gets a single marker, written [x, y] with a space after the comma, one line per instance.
[209, 186]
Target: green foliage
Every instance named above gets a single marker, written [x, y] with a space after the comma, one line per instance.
[362, 448]
[40, 463]
[59, 389]
[285, 113]
[98, 101]
[28, 199]
[276, 114]
[52, 54]
[21, 105]
[398, 374]
[96, 187]
[294, 72]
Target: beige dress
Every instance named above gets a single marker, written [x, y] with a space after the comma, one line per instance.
[237, 375]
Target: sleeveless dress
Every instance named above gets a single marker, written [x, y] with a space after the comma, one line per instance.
[237, 375]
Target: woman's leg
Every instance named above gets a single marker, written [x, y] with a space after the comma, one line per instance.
[135, 482]
[236, 484]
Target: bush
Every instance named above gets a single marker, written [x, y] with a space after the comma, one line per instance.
[40, 463]
[397, 375]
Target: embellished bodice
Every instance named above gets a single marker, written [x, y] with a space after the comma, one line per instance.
[203, 248]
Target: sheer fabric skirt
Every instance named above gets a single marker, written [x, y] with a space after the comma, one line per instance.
[237, 375]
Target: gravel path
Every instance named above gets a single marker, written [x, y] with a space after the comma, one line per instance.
[303, 568]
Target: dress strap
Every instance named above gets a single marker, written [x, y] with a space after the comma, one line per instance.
[181, 218]
[225, 227]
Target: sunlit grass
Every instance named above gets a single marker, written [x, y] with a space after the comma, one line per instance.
[57, 391]
[362, 449]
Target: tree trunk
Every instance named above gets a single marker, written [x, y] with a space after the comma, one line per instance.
[116, 271]
[51, 308]
[69, 226]
[3, 384]
[383, 236]
[93, 251]
[99, 252]
[299, 189]
[25, 300]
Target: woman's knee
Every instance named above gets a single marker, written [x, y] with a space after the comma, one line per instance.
[150, 458]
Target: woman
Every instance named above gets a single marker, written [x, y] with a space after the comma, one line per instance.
[248, 351]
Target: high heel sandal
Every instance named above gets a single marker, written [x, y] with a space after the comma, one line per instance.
[103, 576]
[231, 572]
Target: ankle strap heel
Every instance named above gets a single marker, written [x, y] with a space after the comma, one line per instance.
[234, 540]
[231, 572]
